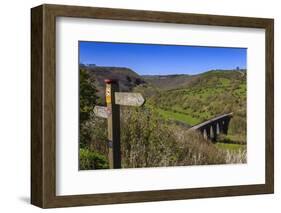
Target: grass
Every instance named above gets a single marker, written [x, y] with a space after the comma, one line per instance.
[241, 91]
[230, 146]
[177, 116]
[233, 139]
[224, 81]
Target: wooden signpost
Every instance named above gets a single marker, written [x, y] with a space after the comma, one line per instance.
[113, 99]
[129, 99]
[102, 111]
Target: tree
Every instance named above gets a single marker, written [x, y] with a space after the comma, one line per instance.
[87, 102]
[87, 96]
[129, 79]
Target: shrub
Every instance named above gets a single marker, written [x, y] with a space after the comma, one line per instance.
[87, 101]
[91, 160]
[195, 150]
[96, 131]
[238, 125]
[147, 141]
[236, 157]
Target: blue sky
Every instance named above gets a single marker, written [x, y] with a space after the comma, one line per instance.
[153, 59]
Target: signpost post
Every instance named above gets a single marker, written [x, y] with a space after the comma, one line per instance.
[113, 125]
[113, 99]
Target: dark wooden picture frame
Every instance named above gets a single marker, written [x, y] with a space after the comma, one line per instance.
[43, 105]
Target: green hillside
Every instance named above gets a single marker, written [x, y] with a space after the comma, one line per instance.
[208, 95]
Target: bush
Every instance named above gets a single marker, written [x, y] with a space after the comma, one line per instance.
[236, 157]
[238, 125]
[195, 150]
[144, 139]
[147, 141]
[91, 160]
[96, 131]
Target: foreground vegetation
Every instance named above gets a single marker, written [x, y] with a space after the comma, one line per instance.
[148, 141]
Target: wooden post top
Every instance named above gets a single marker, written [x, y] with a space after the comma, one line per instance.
[111, 81]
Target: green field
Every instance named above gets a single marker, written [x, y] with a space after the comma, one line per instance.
[177, 116]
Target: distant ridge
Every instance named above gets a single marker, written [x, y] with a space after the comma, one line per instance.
[163, 76]
[127, 78]
[175, 81]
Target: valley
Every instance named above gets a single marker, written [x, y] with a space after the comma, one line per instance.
[176, 103]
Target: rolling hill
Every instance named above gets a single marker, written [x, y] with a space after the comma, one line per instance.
[205, 96]
[167, 82]
[127, 78]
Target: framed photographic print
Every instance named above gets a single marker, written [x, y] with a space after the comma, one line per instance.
[136, 106]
